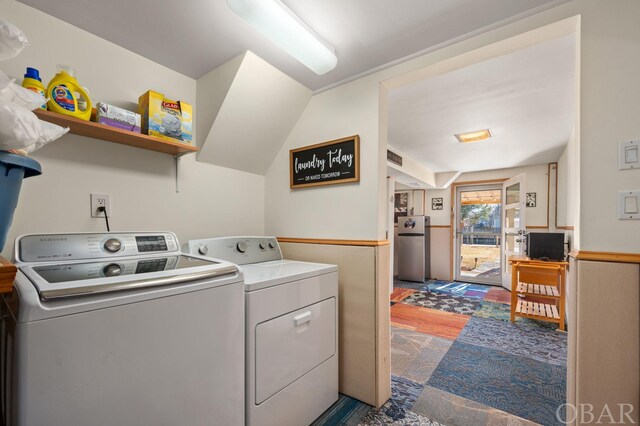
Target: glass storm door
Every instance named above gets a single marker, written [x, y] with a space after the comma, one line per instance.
[514, 224]
[478, 233]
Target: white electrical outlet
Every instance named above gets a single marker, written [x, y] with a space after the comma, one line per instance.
[100, 200]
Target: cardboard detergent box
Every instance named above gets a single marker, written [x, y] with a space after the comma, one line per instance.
[164, 118]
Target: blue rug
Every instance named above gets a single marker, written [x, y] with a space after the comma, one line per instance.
[538, 343]
[345, 412]
[397, 410]
[458, 288]
[515, 384]
[451, 287]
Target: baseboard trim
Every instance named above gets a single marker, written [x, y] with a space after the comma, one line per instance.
[365, 243]
[604, 256]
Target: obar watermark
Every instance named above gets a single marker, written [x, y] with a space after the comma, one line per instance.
[587, 414]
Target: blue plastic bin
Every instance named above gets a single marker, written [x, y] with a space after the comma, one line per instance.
[13, 168]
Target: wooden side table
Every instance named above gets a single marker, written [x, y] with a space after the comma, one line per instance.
[7, 275]
[538, 289]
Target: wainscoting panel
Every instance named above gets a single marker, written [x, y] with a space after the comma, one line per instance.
[607, 347]
[441, 252]
[364, 341]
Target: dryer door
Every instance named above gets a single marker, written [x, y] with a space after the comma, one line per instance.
[289, 346]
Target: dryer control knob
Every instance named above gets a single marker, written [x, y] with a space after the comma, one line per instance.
[272, 245]
[262, 245]
[241, 247]
[203, 249]
[111, 270]
[112, 245]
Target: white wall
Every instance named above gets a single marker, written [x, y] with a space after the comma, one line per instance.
[252, 117]
[608, 107]
[346, 211]
[356, 211]
[609, 114]
[536, 181]
[411, 171]
[212, 200]
[568, 184]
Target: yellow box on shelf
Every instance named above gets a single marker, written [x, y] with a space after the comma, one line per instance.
[164, 118]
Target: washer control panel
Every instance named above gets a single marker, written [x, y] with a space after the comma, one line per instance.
[238, 250]
[56, 247]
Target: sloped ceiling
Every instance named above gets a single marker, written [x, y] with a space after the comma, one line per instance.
[246, 109]
[194, 37]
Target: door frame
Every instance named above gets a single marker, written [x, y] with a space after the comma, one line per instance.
[520, 230]
[452, 217]
[456, 244]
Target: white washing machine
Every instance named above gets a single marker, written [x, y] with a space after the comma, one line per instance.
[291, 330]
[121, 329]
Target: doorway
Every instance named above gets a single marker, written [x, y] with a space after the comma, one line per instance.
[478, 234]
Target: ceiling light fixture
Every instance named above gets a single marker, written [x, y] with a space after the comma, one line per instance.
[475, 136]
[283, 27]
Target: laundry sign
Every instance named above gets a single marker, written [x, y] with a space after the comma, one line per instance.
[326, 163]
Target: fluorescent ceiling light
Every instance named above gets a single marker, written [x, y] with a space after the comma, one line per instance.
[475, 136]
[279, 24]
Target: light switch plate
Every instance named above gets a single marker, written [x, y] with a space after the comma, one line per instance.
[628, 202]
[629, 155]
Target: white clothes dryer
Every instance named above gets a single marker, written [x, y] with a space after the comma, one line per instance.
[291, 330]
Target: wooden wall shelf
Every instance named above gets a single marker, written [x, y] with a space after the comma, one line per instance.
[112, 134]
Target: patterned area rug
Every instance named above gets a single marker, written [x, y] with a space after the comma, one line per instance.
[502, 312]
[498, 295]
[517, 339]
[522, 386]
[456, 359]
[400, 293]
[345, 412]
[414, 355]
[481, 371]
[429, 321]
[396, 411]
[444, 302]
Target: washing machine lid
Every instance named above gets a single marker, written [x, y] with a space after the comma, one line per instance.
[267, 274]
[69, 279]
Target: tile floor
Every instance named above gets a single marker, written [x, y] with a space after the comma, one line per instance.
[456, 359]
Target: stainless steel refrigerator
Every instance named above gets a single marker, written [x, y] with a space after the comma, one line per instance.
[414, 251]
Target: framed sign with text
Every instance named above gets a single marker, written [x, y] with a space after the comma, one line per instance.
[326, 163]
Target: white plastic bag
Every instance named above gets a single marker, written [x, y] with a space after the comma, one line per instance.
[21, 128]
[5, 81]
[12, 40]
[50, 132]
[10, 91]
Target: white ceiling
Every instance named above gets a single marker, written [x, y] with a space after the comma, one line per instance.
[526, 98]
[195, 36]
